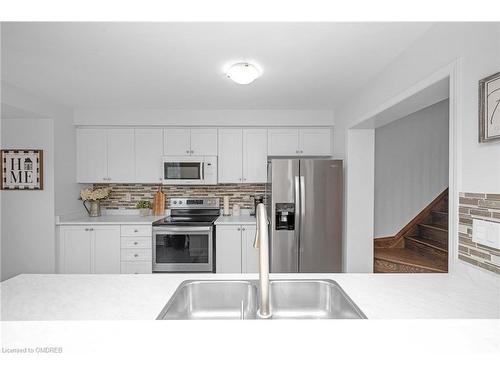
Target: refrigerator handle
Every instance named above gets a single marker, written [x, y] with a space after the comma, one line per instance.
[297, 212]
[302, 210]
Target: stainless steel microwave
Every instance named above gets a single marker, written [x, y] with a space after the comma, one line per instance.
[190, 170]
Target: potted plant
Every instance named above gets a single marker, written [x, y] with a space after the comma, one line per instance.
[94, 196]
[144, 207]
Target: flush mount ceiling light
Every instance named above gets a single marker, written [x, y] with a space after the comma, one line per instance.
[243, 73]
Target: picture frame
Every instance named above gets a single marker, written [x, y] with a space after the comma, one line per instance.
[489, 108]
[21, 169]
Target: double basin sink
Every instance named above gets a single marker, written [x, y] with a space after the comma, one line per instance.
[239, 299]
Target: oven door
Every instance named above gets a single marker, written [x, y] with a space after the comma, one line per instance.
[182, 249]
[183, 171]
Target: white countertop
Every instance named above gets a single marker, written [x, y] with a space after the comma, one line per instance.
[108, 220]
[132, 297]
[235, 220]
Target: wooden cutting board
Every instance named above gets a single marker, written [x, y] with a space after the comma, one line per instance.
[159, 203]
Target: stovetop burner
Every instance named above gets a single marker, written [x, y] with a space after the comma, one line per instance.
[191, 212]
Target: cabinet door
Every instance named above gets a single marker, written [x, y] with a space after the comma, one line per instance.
[228, 249]
[75, 250]
[148, 155]
[230, 156]
[249, 254]
[176, 142]
[315, 141]
[106, 248]
[91, 155]
[204, 142]
[283, 142]
[254, 155]
[121, 158]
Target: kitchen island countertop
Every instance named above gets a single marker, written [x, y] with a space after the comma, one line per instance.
[142, 297]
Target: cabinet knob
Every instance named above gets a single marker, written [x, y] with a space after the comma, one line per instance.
[243, 229]
[297, 151]
[301, 151]
[238, 229]
[135, 243]
[135, 231]
[136, 255]
[187, 151]
[192, 151]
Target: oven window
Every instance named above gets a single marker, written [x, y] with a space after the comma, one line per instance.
[182, 248]
[182, 170]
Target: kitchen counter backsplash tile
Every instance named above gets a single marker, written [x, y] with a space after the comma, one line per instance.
[482, 206]
[238, 193]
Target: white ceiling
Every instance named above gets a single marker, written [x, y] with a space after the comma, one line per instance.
[180, 65]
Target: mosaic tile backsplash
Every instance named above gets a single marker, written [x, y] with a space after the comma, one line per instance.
[238, 193]
[484, 207]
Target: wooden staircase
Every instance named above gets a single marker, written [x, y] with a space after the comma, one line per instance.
[421, 246]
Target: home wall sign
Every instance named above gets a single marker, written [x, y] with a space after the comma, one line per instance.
[489, 108]
[21, 169]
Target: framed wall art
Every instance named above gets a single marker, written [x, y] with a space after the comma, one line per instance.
[489, 108]
[21, 169]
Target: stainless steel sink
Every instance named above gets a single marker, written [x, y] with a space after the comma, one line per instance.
[204, 299]
[237, 299]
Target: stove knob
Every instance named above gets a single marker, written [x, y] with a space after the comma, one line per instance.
[175, 202]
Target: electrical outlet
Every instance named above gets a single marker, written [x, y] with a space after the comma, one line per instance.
[486, 233]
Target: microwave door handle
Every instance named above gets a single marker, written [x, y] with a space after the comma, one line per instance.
[203, 171]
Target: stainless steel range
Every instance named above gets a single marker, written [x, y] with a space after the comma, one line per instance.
[185, 240]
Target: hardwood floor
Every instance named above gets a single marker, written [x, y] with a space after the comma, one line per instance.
[421, 246]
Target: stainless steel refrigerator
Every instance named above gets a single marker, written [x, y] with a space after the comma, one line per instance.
[304, 204]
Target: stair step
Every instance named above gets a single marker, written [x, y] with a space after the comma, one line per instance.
[434, 232]
[440, 218]
[409, 259]
[416, 243]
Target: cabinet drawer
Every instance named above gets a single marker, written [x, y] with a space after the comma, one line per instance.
[135, 230]
[136, 242]
[136, 267]
[136, 254]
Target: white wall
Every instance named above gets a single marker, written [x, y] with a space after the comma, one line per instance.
[28, 222]
[411, 166]
[358, 257]
[158, 117]
[476, 47]
[66, 188]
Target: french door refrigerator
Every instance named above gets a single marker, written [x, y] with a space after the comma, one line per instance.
[304, 204]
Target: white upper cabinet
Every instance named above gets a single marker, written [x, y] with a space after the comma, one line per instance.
[176, 142]
[186, 141]
[148, 155]
[230, 156]
[91, 159]
[121, 159]
[299, 142]
[254, 155]
[283, 141]
[204, 141]
[315, 141]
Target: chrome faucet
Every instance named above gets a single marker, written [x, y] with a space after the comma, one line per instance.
[262, 244]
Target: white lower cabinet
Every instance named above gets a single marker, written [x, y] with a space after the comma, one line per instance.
[89, 249]
[107, 249]
[234, 249]
[249, 254]
[136, 249]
